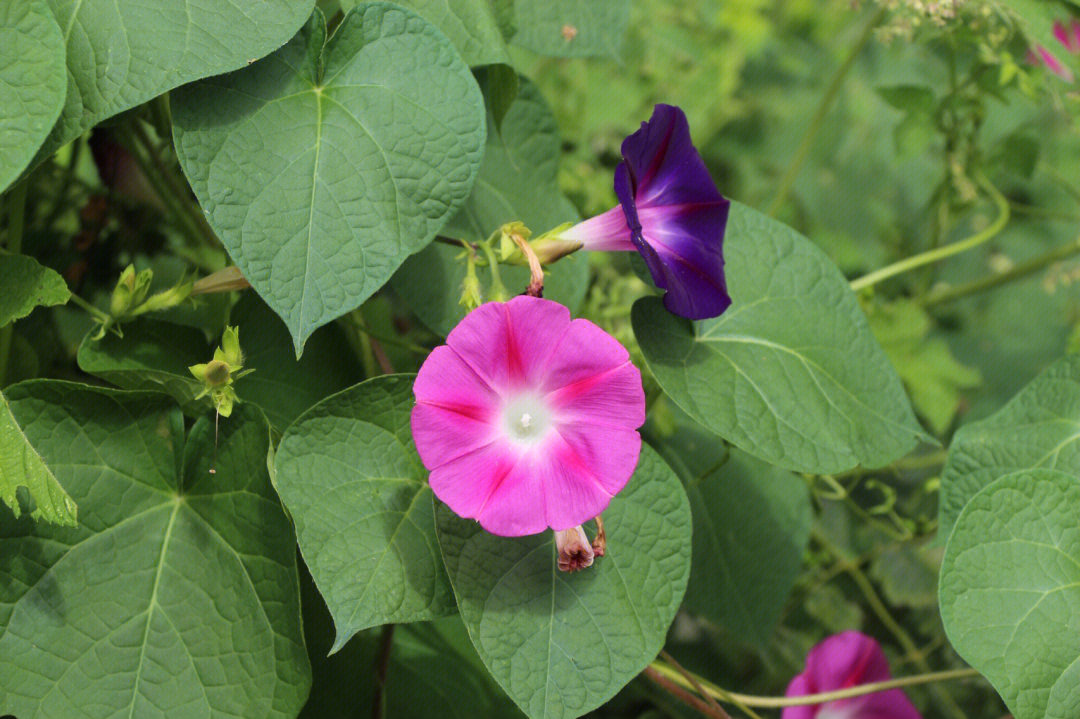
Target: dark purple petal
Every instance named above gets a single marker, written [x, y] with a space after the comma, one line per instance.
[675, 214]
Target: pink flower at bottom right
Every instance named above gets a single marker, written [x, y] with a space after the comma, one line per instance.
[841, 661]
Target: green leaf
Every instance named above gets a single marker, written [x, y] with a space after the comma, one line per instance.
[517, 182]
[1010, 591]
[22, 466]
[908, 574]
[469, 24]
[155, 355]
[27, 284]
[751, 526]
[1039, 427]
[500, 85]
[121, 53]
[152, 355]
[563, 644]
[32, 83]
[571, 28]
[350, 477]
[282, 386]
[518, 178]
[926, 365]
[177, 593]
[323, 168]
[909, 98]
[791, 372]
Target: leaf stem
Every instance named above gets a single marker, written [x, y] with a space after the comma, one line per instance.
[761, 702]
[94, 312]
[16, 217]
[386, 644]
[671, 686]
[833, 89]
[180, 192]
[1019, 271]
[940, 253]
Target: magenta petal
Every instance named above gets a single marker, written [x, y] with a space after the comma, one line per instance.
[799, 687]
[844, 660]
[442, 434]
[574, 494]
[482, 340]
[538, 327]
[584, 351]
[613, 398]
[891, 704]
[517, 504]
[607, 455]
[447, 380]
[1053, 64]
[608, 232]
[465, 484]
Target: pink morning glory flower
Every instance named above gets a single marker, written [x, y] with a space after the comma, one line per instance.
[526, 419]
[842, 661]
[1069, 37]
[670, 212]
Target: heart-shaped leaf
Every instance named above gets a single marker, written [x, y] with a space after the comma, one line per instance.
[1010, 590]
[517, 182]
[563, 644]
[791, 372]
[22, 466]
[1039, 427]
[32, 83]
[470, 25]
[177, 593]
[121, 53]
[27, 284]
[751, 526]
[350, 477]
[323, 168]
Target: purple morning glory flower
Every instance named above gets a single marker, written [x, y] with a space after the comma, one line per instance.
[669, 211]
[842, 661]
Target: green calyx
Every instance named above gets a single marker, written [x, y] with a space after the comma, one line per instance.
[219, 374]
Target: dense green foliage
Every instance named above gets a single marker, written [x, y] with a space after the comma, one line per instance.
[211, 502]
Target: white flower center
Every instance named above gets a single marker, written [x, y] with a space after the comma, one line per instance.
[526, 419]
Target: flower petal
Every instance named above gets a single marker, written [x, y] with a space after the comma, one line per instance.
[614, 398]
[507, 343]
[607, 232]
[844, 660]
[891, 704]
[465, 484]
[584, 351]
[445, 379]
[676, 215]
[663, 164]
[799, 687]
[442, 435]
[682, 247]
[516, 503]
[606, 455]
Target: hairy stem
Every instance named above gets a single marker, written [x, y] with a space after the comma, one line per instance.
[940, 253]
[833, 89]
[1017, 272]
[653, 674]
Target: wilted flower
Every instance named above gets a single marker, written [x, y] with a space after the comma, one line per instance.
[526, 419]
[217, 375]
[841, 661]
[1069, 37]
[669, 211]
